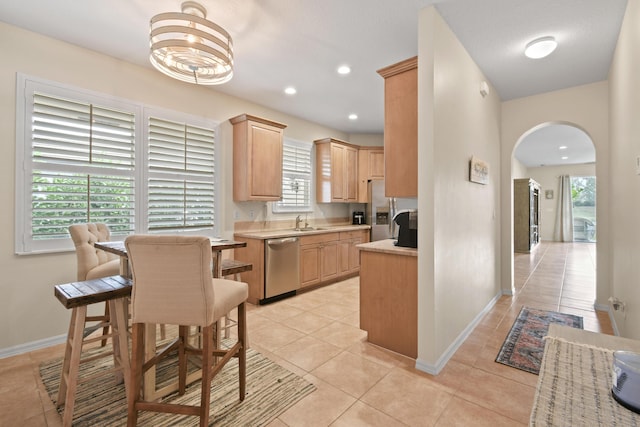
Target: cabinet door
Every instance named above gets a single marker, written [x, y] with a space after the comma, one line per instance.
[309, 265]
[345, 256]
[351, 174]
[376, 164]
[354, 255]
[257, 158]
[338, 177]
[401, 128]
[265, 160]
[329, 261]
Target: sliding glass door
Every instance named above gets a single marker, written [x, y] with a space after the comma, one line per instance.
[583, 196]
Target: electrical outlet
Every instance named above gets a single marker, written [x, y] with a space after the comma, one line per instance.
[236, 215]
[252, 214]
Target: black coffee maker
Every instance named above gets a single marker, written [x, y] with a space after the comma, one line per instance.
[407, 221]
[358, 218]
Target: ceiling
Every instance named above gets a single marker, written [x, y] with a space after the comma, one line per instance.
[301, 43]
[555, 145]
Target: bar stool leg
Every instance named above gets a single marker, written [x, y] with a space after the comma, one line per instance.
[118, 309]
[71, 364]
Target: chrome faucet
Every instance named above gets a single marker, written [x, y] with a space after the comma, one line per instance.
[298, 220]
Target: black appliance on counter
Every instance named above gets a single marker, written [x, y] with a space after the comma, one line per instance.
[358, 218]
[407, 221]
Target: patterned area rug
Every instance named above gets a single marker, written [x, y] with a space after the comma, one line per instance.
[524, 346]
[271, 389]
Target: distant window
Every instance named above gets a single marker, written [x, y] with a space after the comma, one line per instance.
[296, 177]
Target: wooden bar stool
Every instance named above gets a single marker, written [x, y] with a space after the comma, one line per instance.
[114, 291]
[231, 267]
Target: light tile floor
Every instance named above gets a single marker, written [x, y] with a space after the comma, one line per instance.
[316, 335]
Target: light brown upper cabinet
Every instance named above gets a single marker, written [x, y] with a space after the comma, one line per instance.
[370, 166]
[401, 128]
[336, 171]
[257, 158]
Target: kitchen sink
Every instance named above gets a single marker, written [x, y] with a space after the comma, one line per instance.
[306, 229]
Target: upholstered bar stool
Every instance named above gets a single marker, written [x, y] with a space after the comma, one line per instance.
[93, 263]
[173, 285]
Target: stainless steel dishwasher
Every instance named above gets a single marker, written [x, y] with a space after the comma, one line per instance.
[282, 267]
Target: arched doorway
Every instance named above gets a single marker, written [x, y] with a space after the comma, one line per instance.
[560, 158]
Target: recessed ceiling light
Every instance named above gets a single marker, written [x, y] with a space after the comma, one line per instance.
[564, 157]
[353, 117]
[290, 90]
[344, 69]
[541, 47]
[562, 147]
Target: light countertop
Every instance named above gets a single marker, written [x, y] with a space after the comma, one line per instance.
[387, 246]
[272, 234]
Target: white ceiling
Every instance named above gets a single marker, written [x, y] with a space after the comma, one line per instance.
[542, 147]
[278, 43]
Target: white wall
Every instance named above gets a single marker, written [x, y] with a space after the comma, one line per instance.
[518, 169]
[28, 310]
[458, 247]
[547, 177]
[367, 139]
[585, 107]
[624, 185]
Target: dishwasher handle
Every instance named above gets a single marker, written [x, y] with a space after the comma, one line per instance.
[274, 243]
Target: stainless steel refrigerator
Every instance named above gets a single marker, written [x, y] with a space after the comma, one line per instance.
[380, 212]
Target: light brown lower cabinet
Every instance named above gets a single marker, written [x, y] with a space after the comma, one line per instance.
[388, 301]
[324, 258]
[318, 258]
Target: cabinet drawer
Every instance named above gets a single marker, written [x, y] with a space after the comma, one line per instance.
[319, 238]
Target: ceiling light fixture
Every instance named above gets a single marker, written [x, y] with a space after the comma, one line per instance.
[541, 47]
[564, 157]
[290, 90]
[353, 117]
[344, 69]
[562, 147]
[188, 47]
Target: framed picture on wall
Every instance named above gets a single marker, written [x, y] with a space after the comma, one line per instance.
[478, 171]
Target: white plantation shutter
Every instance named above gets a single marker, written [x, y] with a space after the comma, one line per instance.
[296, 177]
[181, 189]
[82, 158]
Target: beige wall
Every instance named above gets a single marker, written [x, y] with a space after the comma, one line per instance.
[547, 177]
[458, 245]
[29, 313]
[518, 169]
[624, 185]
[585, 107]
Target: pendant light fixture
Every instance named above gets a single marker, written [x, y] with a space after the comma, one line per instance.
[188, 47]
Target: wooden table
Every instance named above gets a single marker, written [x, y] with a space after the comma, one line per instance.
[118, 248]
[217, 246]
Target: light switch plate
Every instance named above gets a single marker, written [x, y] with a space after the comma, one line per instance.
[638, 165]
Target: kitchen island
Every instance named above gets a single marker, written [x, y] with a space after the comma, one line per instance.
[389, 296]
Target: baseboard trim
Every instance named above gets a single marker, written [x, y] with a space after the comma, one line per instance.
[31, 346]
[429, 368]
[612, 318]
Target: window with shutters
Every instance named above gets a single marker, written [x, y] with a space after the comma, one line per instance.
[181, 189]
[296, 177]
[86, 157]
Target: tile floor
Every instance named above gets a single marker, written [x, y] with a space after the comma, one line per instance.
[316, 335]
